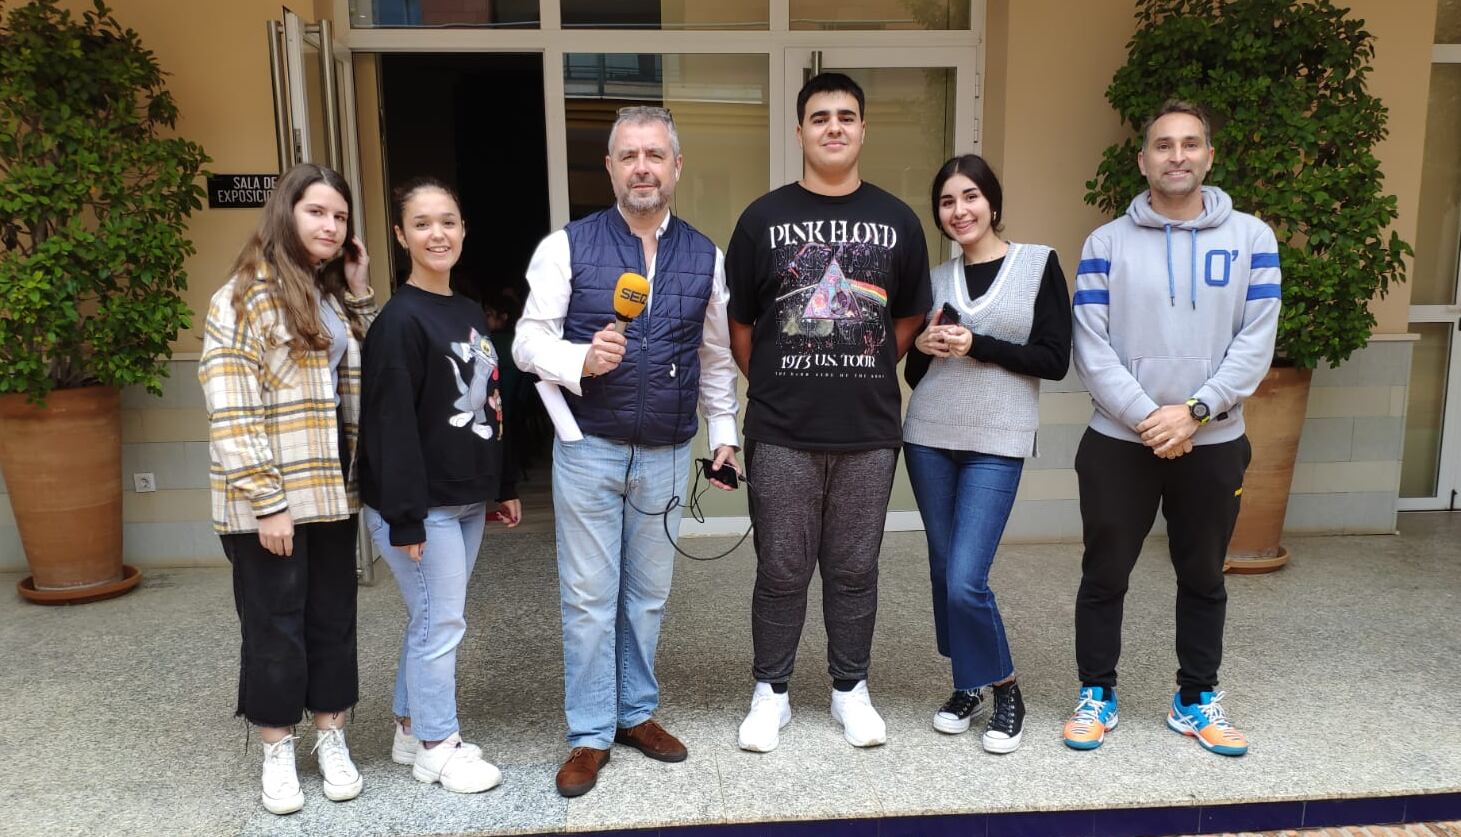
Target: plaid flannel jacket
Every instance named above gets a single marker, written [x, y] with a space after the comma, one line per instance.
[271, 417]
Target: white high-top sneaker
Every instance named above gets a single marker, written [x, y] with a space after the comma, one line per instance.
[862, 726]
[342, 780]
[761, 731]
[404, 746]
[459, 767]
[281, 781]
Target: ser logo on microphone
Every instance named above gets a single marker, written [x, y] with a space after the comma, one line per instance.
[631, 294]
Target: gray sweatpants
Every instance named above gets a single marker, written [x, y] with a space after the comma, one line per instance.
[816, 509]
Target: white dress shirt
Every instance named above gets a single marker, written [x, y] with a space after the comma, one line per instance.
[539, 346]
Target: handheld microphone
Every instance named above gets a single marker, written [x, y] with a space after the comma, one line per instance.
[630, 296]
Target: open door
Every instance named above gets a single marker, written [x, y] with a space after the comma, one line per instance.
[314, 100]
[314, 120]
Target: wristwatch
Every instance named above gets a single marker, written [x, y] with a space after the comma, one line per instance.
[1200, 411]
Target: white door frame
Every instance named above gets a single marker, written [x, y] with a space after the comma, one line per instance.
[1448, 474]
[1448, 471]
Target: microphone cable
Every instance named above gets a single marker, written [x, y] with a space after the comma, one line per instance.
[697, 513]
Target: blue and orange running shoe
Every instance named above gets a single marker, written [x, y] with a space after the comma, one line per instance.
[1094, 716]
[1207, 722]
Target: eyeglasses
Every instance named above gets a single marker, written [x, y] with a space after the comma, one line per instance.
[646, 111]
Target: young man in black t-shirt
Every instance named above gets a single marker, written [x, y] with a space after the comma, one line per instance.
[828, 283]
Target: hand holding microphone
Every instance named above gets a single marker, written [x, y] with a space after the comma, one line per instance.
[631, 293]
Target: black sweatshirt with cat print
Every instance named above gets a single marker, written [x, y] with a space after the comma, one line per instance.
[431, 414]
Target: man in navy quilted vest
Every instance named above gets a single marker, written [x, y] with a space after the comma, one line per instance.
[634, 396]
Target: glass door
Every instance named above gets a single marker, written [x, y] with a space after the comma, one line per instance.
[314, 118]
[314, 99]
[1430, 474]
[921, 110]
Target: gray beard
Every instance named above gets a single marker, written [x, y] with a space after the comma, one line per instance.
[641, 206]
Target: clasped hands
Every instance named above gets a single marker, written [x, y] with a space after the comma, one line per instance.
[945, 341]
[1168, 430]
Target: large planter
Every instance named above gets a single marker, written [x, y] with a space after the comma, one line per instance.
[1275, 419]
[63, 470]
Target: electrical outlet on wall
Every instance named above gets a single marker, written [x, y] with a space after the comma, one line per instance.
[143, 483]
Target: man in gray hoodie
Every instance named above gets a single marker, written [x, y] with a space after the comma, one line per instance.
[1175, 311]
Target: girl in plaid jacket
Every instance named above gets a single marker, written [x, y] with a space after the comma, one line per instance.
[281, 379]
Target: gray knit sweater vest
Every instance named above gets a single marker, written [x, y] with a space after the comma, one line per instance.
[966, 404]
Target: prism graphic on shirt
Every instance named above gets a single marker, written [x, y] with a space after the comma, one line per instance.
[831, 308]
[481, 360]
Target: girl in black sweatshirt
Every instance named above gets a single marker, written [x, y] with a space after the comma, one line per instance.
[431, 460]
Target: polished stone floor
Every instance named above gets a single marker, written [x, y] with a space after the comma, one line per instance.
[1342, 669]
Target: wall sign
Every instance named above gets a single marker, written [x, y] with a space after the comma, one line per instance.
[239, 191]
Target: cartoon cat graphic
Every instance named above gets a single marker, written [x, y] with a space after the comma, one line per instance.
[477, 352]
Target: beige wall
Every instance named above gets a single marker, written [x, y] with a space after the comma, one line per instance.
[218, 71]
[1055, 121]
[1047, 121]
[1403, 34]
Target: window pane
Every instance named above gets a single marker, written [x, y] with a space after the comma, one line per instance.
[1426, 411]
[666, 14]
[721, 109]
[1433, 281]
[521, 14]
[879, 14]
[1448, 22]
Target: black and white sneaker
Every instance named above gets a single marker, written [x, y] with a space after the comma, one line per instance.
[1007, 721]
[953, 717]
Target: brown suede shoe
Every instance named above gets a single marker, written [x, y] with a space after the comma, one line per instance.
[580, 773]
[652, 740]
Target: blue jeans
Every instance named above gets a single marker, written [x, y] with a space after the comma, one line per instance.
[965, 499]
[435, 590]
[614, 568]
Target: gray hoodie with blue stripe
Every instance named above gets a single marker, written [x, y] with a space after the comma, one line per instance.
[1170, 310]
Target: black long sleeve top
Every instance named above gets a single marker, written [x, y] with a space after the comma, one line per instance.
[1047, 352]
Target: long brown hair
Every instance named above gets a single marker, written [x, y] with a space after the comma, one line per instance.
[276, 255]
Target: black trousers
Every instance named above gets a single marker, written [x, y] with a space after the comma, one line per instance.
[1121, 484]
[816, 510]
[297, 616]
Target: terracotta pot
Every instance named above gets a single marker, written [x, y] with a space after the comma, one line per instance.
[63, 469]
[1275, 418]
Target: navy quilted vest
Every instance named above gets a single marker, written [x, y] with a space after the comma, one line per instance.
[651, 398]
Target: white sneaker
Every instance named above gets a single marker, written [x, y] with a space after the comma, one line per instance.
[862, 726]
[459, 767]
[342, 780]
[404, 746]
[761, 731]
[281, 782]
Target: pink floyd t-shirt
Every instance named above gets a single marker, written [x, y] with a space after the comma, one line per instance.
[822, 279]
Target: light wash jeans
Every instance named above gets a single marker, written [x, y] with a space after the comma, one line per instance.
[435, 590]
[965, 499]
[614, 568]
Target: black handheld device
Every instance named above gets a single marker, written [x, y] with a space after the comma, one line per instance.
[948, 315]
[725, 474]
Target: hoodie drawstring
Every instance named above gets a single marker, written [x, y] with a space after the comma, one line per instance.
[1194, 269]
[1171, 274]
[1171, 281]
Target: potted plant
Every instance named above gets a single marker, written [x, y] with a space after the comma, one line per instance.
[1294, 129]
[94, 201]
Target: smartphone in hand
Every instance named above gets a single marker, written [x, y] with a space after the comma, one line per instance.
[948, 315]
[725, 475]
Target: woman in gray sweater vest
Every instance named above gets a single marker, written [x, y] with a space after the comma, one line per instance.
[1000, 323]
